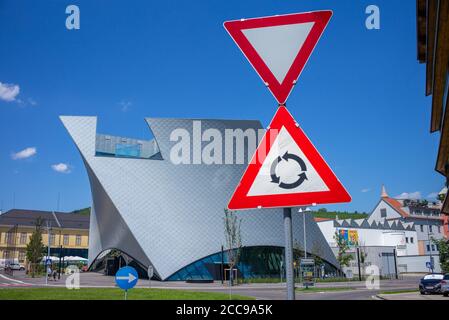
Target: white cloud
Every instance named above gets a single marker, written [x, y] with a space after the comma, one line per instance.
[9, 92]
[409, 195]
[61, 167]
[125, 105]
[25, 153]
[365, 190]
[432, 195]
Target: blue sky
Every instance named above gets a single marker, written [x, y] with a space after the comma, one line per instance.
[360, 98]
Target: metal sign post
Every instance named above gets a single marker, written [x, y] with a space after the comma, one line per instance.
[150, 274]
[278, 48]
[289, 254]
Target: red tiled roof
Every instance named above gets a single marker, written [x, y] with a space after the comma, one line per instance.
[396, 205]
[318, 219]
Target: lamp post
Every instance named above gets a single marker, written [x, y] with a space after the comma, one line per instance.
[48, 253]
[430, 247]
[304, 212]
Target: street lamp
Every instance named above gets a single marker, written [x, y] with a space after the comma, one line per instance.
[304, 212]
[430, 247]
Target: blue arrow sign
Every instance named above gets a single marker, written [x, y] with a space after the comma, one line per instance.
[126, 278]
[429, 265]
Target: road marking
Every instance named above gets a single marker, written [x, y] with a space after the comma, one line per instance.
[13, 280]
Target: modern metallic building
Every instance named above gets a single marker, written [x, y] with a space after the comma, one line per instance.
[171, 216]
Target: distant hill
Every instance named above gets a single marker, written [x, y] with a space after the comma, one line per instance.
[322, 213]
[84, 212]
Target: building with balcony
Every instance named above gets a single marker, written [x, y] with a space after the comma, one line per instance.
[426, 217]
[66, 233]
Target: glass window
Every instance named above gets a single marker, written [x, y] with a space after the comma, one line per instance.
[430, 228]
[439, 229]
[383, 213]
[66, 240]
[6, 254]
[428, 247]
[433, 247]
[22, 256]
[422, 228]
[52, 239]
[9, 236]
[411, 239]
[23, 238]
[78, 240]
[406, 239]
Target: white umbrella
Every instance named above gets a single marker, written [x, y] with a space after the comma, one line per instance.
[74, 258]
[52, 258]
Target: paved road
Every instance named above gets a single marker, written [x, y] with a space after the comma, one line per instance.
[7, 281]
[263, 291]
[412, 296]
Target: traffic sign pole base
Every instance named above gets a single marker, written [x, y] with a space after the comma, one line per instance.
[289, 253]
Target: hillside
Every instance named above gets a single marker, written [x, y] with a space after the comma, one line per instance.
[84, 212]
[341, 214]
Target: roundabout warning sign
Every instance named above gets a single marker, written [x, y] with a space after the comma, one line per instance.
[287, 171]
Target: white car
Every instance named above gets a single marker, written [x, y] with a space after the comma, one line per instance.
[15, 266]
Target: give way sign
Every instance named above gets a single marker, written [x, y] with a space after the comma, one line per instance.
[278, 47]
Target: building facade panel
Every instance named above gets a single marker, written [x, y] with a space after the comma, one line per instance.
[175, 212]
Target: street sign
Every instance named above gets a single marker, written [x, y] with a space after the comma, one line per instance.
[305, 262]
[150, 272]
[429, 265]
[286, 171]
[126, 278]
[48, 262]
[278, 47]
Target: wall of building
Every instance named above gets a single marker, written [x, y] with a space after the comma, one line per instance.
[382, 257]
[13, 244]
[417, 264]
[403, 240]
[390, 212]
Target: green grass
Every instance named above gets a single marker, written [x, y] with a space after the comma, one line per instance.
[400, 291]
[315, 289]
[341, 215]
[111, 294]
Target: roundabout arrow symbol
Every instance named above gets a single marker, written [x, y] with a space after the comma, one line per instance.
[302, 176]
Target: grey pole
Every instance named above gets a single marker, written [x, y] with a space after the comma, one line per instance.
[289, 254]
[304, 227]
[430, 248]
[48, 254]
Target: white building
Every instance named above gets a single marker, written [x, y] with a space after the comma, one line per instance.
[426, 217]
[396, 234]
[380, 243]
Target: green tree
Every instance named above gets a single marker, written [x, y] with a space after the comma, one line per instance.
[443, 248]
[343, 257]
[35, 248]
[233, 240]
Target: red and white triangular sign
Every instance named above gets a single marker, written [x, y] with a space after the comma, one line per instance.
[287, 171]
[278, 47]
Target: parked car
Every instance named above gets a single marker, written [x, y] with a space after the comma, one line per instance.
[15, 266]
[445, 285]
[431, 283]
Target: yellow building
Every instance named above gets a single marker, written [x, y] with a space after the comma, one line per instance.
[69, 234]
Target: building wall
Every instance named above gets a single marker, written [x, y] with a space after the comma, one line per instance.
[380, 256]
[400, 239]
[412, 264]
[376, 213]
[13, 246]
[169, 215]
